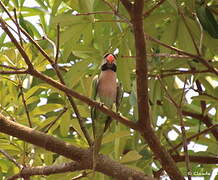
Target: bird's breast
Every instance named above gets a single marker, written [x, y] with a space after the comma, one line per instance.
[107, 87]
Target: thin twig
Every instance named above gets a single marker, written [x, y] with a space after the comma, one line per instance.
[197, 159]
[169, 142]
[48, 127]
[184, 139]
[13, 72]
[167, 93]
[11, 158]
[204, 118]
[18, 29]
[10, 67]
[189, 31]
[183, 72]
[25, 105]
[93, 13]
[72, 102]
[106, 20]
[200, 59]
[202, 34]
[164, 55]
[193, 136]
[205, 94]
[26, 58]
[175, 72]
[13, 39]
[147, 13]
[84, 174]
[115, 11]
[179, 112]
[25, 33]
[58, 43]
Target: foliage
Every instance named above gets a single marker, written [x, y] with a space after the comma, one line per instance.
[84, 38]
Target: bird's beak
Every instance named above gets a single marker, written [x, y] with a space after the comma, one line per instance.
[110, 59]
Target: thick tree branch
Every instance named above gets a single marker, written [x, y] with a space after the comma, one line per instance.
[141, 64]
[48, 170]
[136, 13]
[197, 159]
[84, 157]
[65, 89]
[85, 99]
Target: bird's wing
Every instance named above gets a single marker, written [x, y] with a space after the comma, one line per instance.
[119, 95]
[94, 87]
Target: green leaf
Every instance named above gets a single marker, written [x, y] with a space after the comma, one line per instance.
[68, 19]
[41, 3]
[208, 21]
[46, 108]
[169, 36]
[205, 98]
[55, 6]
[130, 156]
[184, 39]
[112, 137]
[76, 72]
[65, 123]
[34, 89]
[25, 25]
[2, 38]
[4, 165]
[145, 154]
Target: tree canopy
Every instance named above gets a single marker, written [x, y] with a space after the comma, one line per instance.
[50, 51]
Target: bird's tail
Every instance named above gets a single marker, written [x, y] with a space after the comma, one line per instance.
[98, 137]
[96, 149]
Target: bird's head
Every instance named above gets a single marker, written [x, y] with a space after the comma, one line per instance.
[110, 58]
[109, 62]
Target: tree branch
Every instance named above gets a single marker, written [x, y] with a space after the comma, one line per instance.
[192, 137]
[141, 64]
[179, 113]
[147, 13]
[10, 67]
[13, 39]
[197, 159]
[48, 170]
[198, 58]
[205, 119]
[86, 100]
[84, 157]
[11, 158]
[25, 105]
[127, 5]
[70, 99]
[65, 89]
[13, 72]
[136, 13]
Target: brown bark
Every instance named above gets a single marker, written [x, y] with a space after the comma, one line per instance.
[103, 164]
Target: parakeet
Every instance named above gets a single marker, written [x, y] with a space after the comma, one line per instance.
[107, 90]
